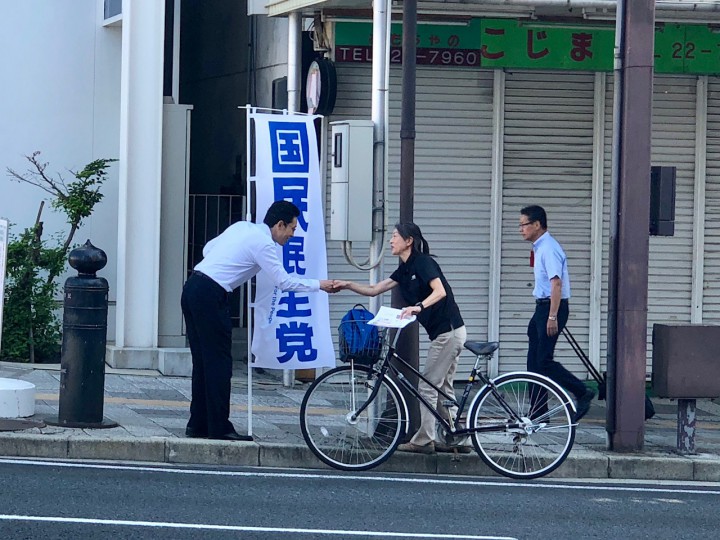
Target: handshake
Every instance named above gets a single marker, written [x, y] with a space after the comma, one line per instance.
[333, 285]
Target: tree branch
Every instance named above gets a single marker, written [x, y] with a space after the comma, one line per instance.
[38, 178]
[17, 176]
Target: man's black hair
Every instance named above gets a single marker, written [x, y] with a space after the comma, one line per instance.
[284, 211]
[535, 213]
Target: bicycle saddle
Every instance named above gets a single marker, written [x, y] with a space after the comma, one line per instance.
[481, 349]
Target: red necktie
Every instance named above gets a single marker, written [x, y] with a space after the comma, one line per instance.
[532, 258]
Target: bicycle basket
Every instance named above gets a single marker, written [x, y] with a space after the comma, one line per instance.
[360, 342]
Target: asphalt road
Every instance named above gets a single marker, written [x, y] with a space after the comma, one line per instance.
[51, 500]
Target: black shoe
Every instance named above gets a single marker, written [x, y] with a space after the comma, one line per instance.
[193, 433]
[231, 436]
[583, 404]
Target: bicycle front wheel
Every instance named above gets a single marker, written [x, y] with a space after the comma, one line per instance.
[332, 432]
[538, 443]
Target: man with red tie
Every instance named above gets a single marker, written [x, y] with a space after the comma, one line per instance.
[552, 295]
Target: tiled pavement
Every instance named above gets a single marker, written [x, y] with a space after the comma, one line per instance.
[150, 408]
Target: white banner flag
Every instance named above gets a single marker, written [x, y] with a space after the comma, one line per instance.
[292, 329]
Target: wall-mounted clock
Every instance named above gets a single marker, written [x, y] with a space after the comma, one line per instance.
[321, 87]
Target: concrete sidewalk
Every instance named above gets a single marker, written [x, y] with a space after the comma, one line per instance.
[152, 411]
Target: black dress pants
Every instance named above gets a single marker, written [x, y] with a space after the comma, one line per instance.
[206, 308]
[541, 351]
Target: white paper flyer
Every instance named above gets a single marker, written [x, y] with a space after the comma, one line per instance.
[390, 318]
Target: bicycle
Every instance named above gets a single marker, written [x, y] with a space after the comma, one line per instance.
[354, 416]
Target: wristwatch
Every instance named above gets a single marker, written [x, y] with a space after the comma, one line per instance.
[420, 305]
[552, 317]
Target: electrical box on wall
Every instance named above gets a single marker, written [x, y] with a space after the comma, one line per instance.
[351, 196]
[662, 201]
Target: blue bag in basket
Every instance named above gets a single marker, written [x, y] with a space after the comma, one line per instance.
[359, 341]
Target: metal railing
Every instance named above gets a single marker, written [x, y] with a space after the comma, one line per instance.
[208, 216]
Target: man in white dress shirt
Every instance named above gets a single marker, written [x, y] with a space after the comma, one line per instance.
[229, 260]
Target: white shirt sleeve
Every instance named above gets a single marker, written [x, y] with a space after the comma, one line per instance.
[268, 260]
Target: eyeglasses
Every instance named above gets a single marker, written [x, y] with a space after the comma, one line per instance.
[526, 224]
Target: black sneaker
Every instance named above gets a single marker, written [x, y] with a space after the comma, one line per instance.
[583, 404]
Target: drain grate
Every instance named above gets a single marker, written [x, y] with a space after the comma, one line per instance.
[15, 424]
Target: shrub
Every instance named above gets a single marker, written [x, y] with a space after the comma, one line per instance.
[31, 327]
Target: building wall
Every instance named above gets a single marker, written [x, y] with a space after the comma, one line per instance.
[60, 95]
[214, 53]
[270, 57]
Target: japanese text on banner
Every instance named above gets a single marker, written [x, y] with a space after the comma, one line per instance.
[292, 329]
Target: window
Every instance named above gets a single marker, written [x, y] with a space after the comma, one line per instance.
[112, 8]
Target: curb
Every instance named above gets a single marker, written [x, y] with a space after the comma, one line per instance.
[580, 464]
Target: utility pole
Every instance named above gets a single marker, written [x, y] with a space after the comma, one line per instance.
[629, 224]
[408, 345]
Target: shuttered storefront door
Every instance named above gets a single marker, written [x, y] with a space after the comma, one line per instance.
[673, 144]
[711, 282]
[670, 263]
[548, 151]
[452, 181]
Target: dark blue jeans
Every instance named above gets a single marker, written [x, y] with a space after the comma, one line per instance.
[541, 351]
[206, 309]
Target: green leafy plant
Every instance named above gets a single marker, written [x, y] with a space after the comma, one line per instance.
[31, 327]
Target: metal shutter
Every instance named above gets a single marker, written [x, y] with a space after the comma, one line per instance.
[607, 193]
[452, 181]
[673, 144]
[711, 285]
[548, 152]
[670, 263]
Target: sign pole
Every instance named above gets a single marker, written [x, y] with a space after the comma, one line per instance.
[629, 236]
[408, 344]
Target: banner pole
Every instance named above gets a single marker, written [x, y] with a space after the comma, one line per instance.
[248, 217]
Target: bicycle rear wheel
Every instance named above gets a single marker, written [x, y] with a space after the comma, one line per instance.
[327, 424]
[543, 438]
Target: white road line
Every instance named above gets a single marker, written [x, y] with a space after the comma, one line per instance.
[392, 479]
[205, 526]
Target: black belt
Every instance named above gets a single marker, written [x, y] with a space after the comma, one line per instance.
[211, 280]
[199, 273]
[547, 300]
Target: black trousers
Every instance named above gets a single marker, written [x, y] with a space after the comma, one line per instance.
[206, 308]
[541, 351]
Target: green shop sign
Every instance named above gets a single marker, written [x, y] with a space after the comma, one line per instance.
[507, 43]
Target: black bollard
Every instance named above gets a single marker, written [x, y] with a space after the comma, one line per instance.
[82, 362]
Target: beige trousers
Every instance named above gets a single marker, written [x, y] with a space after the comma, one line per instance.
[442, 360]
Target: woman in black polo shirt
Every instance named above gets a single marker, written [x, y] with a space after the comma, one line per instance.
[428, 296]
